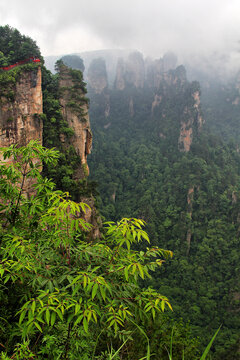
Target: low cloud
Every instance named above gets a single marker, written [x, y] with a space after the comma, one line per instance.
[189, 28]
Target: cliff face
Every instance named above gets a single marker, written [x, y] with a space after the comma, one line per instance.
[19, 118]
[171, 89]
[192, 118]
[97, 76]
[119, 80]
[133, 71]
[152, 87]
[98, 83]
[137, 72]
[21, 105]
[130, 72]
[75, 112]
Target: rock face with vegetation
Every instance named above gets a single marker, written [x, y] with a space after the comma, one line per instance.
[35, 105]
[164, 93]
[191, 119]
[21, 107]
[137, 77]
[20, 89]
[74, 107]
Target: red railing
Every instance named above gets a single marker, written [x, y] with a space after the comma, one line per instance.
[31, 59]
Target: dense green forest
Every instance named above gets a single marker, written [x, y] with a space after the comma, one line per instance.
[221, 105]
[190, 201]
[66, 296]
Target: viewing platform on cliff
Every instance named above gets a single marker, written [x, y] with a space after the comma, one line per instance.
[32, 59]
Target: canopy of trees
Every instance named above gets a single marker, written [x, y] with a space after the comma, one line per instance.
[15, 47]
[141, 172]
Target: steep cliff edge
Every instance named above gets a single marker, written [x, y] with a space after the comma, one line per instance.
[19, 115]
[74, 109]
[35, 105]
[192, 120]
[20, 109]
[74, 106]
[28, 113]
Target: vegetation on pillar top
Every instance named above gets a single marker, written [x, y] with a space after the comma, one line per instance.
[15, 47]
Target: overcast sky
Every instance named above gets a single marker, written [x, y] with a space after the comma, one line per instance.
[151, 26]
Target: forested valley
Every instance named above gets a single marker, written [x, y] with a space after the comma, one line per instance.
[157, 284]
[189, 199]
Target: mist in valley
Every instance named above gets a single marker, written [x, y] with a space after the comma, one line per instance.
[204, 35]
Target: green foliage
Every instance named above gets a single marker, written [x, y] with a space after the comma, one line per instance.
[8, 79]
[67, 294]
[141, 173]
[3, 60]
[55, 279]
[15, 46]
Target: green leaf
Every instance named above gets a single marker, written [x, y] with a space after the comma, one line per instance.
[77, 308]
[126, 272]
[162, 305]
[59, 313]
[47, 316]
[37, 326]
[111, 323]
[53, 318]
[103, 293]
[79, 319]
[22, 316]
[141, 271]
[206, 351]
[85, 325]
[77, 287]
[94, 290]
[153, 313]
